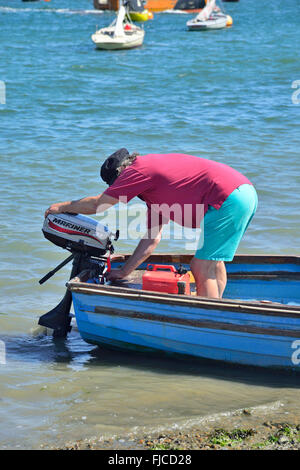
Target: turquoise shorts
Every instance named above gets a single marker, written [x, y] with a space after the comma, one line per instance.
[222, 229]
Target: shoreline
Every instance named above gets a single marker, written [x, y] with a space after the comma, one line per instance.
[268, 427]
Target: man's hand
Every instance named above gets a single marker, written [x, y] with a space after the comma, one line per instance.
[55, 209]
[115, 274]
[142, 252]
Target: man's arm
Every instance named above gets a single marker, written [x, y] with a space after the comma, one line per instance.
[144, 249]
[86, 205]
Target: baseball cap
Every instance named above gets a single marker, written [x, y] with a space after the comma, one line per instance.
[108, 169]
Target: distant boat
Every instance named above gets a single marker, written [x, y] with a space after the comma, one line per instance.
[155, 5]
[137, 11]
[120, 34]
[211, 17]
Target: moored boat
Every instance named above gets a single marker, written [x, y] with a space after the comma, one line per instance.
[213, 22]
[257, 323]
[140, 16]
[210, 18]
[155, 5]
[137, 11]
[120, 34]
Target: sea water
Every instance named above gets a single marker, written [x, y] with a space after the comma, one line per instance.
[229, 95]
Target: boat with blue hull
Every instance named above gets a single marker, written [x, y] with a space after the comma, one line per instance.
[257, 323]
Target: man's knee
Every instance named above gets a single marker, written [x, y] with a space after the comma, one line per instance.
[203, 268]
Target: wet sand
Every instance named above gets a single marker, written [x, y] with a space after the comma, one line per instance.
[256, 428]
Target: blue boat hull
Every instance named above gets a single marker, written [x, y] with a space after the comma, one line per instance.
[242, 332]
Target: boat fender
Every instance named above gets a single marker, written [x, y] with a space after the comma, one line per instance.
[229, 20]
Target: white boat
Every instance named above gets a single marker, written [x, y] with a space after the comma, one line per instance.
[120, 34]
[211, 17]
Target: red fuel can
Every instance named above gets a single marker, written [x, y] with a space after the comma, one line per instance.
[165, 278]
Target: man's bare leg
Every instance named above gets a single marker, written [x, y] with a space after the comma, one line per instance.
[205, 274]
[221, 277]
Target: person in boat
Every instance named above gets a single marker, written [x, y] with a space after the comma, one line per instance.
[227, 198]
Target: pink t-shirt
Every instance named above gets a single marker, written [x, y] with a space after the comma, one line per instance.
[183, 183]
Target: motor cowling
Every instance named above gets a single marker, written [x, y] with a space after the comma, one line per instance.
[88, 241]
[76, 232]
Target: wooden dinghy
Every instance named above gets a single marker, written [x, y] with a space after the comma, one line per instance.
[257, 323]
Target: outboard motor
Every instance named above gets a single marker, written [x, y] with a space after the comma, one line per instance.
[89, 242]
